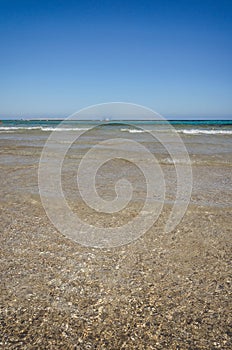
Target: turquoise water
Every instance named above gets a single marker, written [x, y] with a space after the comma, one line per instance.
[55, 122]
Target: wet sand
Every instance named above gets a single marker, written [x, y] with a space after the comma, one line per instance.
[163, 291]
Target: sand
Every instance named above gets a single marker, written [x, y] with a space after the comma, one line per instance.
[163, 291]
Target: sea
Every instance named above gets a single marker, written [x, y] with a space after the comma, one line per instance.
[43, 269]
[208, 144]
[163, 288]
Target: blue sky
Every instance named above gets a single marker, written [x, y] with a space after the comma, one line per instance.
[173, 56]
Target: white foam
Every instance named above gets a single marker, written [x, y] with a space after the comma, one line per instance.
[133, 131]
[63, 129]
[206, 132]
[184, 131]
[42, 128]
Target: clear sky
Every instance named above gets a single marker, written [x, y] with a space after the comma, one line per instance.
[61, 55]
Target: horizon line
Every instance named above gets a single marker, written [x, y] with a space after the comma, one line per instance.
[115, 120]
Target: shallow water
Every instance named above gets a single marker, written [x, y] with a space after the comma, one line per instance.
[209, 147]
[161, 290]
